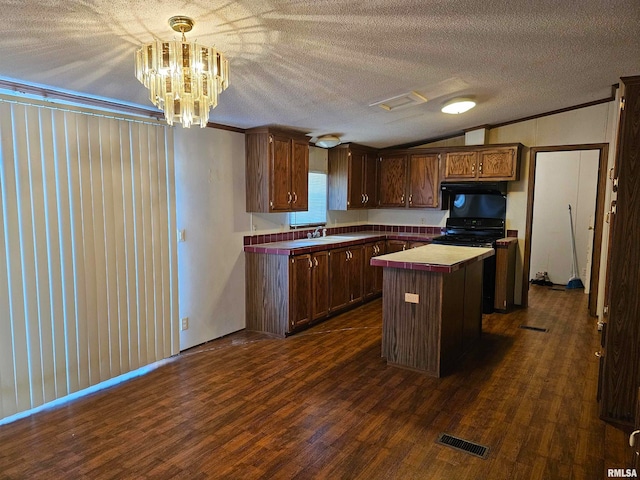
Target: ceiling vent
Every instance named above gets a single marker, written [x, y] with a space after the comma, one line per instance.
[401, 101]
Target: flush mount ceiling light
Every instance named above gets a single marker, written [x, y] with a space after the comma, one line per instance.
[184, 78]
[327, 141]
[458, 105]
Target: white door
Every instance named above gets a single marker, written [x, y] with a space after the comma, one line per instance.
[563, 178]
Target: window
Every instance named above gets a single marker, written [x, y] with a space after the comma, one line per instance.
[317, 213]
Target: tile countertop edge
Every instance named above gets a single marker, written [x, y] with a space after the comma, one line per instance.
[289, 248]
[431, 267]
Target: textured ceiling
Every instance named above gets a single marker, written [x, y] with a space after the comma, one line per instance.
[318, 64]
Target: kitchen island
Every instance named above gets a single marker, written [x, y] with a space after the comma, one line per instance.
[432, 305]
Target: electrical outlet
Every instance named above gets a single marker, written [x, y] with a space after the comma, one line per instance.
[184, 323]
[412, 298]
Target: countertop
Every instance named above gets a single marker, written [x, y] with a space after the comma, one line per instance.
[433, 258]
[310, 245]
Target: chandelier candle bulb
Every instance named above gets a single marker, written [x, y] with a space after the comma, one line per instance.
[184, 78]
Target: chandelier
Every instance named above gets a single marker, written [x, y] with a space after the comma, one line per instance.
[184, 78]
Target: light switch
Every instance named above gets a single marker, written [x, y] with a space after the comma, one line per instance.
[412, 298]
[181, 235]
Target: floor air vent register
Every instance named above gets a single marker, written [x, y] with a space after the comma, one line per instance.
[463, 445]
[535, 329]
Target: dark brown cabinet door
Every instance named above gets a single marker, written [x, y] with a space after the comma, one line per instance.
[395, 246]
[620, 374]
[460, 165]
[320, 285]
[338, 278]
[392, 175]
[371, 180]
[354, 264]
[372, 276]
[356, 179]
[423, 181]
[300, 291]
[497, 164]
[299, 176]
[280, 174]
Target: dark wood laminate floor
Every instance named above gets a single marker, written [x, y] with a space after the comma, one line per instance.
[323, 404]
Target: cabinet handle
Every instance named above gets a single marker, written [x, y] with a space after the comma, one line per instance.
[410, 199]
[480, 167]
[295, 197]
[346, 253]
[315, 261]
[366, 198]
[288, 197]
[402, 198]
[310, 263]
[473, 169]
[598, 354]
[362, 198]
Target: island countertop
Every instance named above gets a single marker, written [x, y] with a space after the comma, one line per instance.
[433, 258]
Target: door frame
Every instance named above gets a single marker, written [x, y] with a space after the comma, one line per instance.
[603, 149]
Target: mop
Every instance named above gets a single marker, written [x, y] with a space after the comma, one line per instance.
[574, 281]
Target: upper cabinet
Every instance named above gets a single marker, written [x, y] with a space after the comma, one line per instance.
[392, 179]
[352, 177]
[409, 179]
[424, 180]
[496, 163]
[277, 170]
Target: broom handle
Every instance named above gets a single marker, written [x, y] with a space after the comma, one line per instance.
[574, 266]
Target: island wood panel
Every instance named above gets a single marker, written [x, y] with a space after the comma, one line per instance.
[472, 315]
[429, 336]
[267, 293]
[410, 331]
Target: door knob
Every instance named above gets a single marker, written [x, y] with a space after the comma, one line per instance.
[632, 438]
[598, 354]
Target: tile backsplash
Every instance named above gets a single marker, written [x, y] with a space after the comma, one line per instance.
[302, 233]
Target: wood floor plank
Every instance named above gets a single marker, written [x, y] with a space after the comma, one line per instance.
[324, 404]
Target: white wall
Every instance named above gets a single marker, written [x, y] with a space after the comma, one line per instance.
[563, 178]
[210, 202]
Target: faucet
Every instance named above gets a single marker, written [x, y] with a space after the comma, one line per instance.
[316, 233]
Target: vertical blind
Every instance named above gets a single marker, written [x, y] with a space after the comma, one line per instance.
[88, 272]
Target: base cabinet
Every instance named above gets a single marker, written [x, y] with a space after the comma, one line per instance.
[287, 293]
[319, 285]
[345, 269]
[372, 276]
[300, 291]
